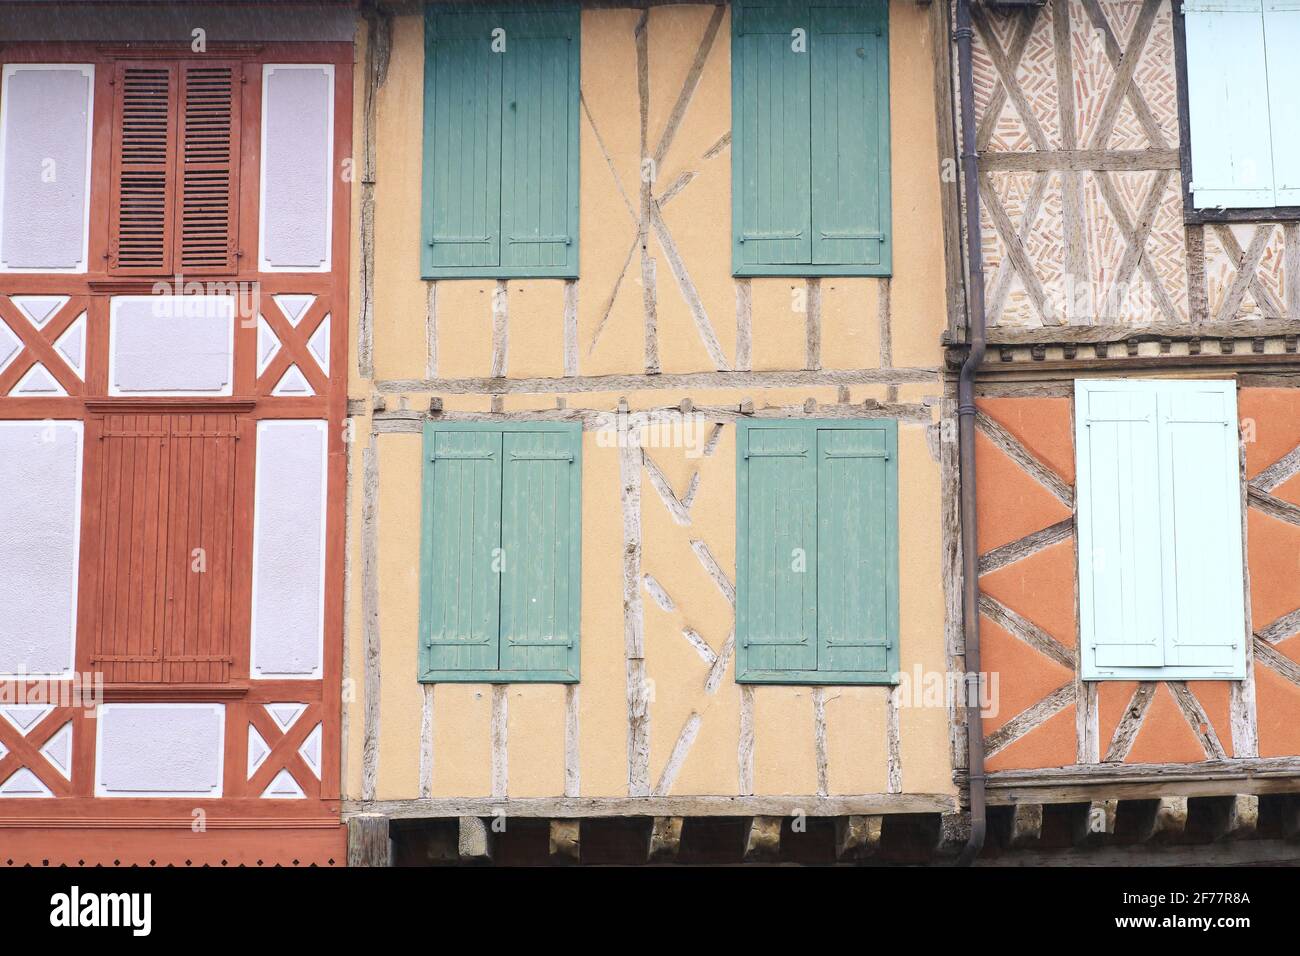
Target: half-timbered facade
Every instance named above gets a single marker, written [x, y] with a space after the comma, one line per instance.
[174, 282]
[1138, 424]
[647, 509]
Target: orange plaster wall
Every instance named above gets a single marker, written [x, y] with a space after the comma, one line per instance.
[1042, 588]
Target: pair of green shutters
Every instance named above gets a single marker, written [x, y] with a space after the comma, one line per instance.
[816, 552]
[810, 140]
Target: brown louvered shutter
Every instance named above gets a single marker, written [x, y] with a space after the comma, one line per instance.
[175, 168]
[209, 158]
[159, 610]
[144, 162]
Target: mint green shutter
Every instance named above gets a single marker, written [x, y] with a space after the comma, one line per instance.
[501, 143]
[462, 143]
[1281, 41]
[777, 552]
[1201, 502]
[850, 135]
[1160, 556]
[857, 547]
[539, 144]
[1228, 104]
[771, 114]
[540, 521]
[462, 497]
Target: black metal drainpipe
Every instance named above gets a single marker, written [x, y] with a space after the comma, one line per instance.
[970, 598]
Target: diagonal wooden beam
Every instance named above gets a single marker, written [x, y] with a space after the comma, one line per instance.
[1136, 241]
[1141, 109]
[1126, 731]
[689, 85]
[680, 511]
[1015, 247]
[1288, 625]
[1030, 544]
[686, 286]
[1027, 631]
[1006, 63]
[1022, 456]
[1126, 226]
[1120, 86]
[1273, 507]
[1247, 277]
[1000, 287]
[1276, 661]
[1197, 719]
[1282, 470]
[1028, 719]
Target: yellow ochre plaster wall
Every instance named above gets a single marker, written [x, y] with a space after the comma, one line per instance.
[792, 347]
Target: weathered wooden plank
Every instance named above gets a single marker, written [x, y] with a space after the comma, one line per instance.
[664, 806]
[368, 841]
[1167, 820]
[857, 837]
[1081, 160]
[565, 843]
[763, 840]
[665, 840]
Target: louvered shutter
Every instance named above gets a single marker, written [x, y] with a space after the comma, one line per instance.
[539, 143]
[461, 560]
[462, 142]
[1281, 41]
[776, 552]
[208, 161]
[1228, 104]
[857, 549]
[144, 168]
[771, 156]
[1200, 490]
[160, 606]
[539, 527]
[850, 135]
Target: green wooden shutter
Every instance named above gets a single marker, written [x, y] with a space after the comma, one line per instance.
[462, 144]
[501, 143]
[857, 549]
[1160, 566]
[810, 138]
[850, 135]
[541, 501]
[776, 550]
[1200, 489]
[539, 144]
[771, 159]
[817, 551]
[462, 548]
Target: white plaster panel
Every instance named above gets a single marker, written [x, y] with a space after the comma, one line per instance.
[297, 161]
[40, 512]
[45, 123]
[289, 549]
[171, 345]
[159, 750]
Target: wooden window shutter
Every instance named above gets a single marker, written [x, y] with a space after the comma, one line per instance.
[1228, 104]
[500, 565]
[541, 500]
[1281, 40]
[776, 550]
[175, 188]
[501, 143]
[209, 162]
[539, 144]
[857, 549]
[144, 165]
[161, 606]
[771, 158]
[1160, 563]
[850, 135]
[460, 583]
